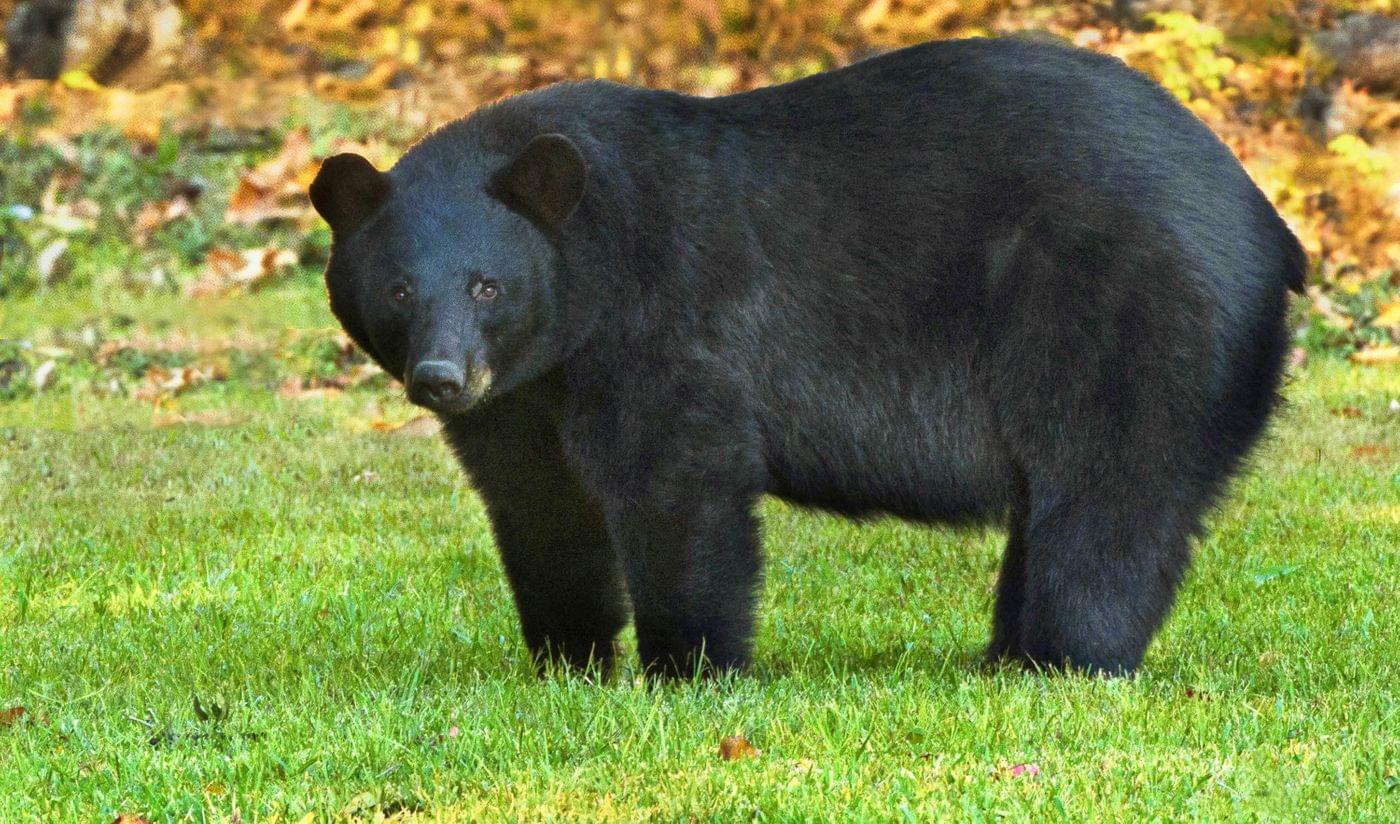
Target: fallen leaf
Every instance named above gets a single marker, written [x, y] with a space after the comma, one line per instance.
[736, 748]
[161, 382]
[157, 213]
[1371, 451]
[292, 17]
[79, 79]
[1376, 355]
[1347, 412]
[423, 426]
[228, 271]
[305, 390]
[9, 103]
[43, 376]
[873, 14]
[50, 263]
[208, 417]
[276, 188]
[12, 716]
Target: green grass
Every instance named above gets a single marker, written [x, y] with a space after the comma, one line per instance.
[345, 624]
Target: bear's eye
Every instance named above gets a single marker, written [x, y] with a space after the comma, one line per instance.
[400, 293]
[483, 289]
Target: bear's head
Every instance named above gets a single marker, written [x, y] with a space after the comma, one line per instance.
[447, 269]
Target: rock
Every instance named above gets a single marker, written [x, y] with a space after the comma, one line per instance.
[1365, 49]
[35, 35]
[107, 39]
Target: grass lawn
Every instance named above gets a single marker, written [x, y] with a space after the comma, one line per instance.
[277, 610]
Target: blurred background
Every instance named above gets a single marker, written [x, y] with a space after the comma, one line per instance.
[155, 235]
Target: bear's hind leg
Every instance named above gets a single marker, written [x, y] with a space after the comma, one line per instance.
[1010, 596]
[1099, 578]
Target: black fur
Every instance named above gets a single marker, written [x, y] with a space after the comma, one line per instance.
[964, 282]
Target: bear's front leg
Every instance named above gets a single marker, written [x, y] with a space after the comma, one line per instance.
[692, 570]
[550, 532]
[671, 448]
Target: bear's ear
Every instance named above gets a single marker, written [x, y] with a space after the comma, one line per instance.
[544, 182]
[347, 190]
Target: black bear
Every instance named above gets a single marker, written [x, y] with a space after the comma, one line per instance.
[966, 281]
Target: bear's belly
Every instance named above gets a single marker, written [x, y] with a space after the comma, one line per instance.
[923, 450]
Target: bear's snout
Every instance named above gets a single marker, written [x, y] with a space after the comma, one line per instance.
[436, 383]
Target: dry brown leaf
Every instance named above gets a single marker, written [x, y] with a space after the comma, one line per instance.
[1371, 452]
[157, 213]
[736, 748]
[423, 426]
[228, 271]
[208, 417]
[276, 188]
[306, 390]
[164, 383]
[367, 88]
[12, 716]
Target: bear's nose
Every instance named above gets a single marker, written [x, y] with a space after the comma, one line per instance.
[438, 380]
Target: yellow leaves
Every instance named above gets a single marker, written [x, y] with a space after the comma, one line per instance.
[295, 15]
[397, 43]
[873, 15]
[9, 103]
[1359, 155]
[419, 18]
[79, 79]
[363, 89]
[1389, 315]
